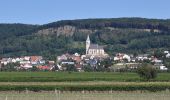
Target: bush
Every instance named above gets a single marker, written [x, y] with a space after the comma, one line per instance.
[147, 72]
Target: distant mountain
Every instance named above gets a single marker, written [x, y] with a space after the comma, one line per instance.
[131, 35]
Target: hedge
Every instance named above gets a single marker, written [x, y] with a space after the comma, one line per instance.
[129, 87]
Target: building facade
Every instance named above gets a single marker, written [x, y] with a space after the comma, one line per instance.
[94, 49]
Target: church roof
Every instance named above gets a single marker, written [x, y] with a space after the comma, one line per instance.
[95, 46]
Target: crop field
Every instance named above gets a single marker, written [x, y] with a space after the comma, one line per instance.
[65, 76]
[85, 96]
[87, 86]
[74, 76]
[73, 81]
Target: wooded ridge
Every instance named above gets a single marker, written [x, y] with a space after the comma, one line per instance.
[132, 35]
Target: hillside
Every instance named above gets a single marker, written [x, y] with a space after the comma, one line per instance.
[131, 35]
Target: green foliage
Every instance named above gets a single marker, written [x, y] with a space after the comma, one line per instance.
[75, 76]
[65, 76]
[126, 86]
[117, 35]
[147, 71]
[88, 68]
[10, 67]
[34, 69]
[141, 23]
[70, 68]
[13, 30]
[106, 63]
[159, 54]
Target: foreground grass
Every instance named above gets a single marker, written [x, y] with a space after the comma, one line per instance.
[74, 76]
[85, 96]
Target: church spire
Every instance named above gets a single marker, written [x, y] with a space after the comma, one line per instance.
[87, 44]
[88, 38]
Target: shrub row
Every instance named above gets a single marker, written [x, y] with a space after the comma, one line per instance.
[143, 87]
[56, 79]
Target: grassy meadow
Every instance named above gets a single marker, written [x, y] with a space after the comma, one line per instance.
[75, 76]
[85, 81]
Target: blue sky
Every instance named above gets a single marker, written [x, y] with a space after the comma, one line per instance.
[45, 11]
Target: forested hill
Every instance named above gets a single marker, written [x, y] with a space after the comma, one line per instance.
[10, 30]
[132, 35]
[140, 23]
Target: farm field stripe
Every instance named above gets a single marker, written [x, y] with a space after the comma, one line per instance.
[85, 83]
[118, 86]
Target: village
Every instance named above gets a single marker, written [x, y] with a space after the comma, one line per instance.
[95, 59]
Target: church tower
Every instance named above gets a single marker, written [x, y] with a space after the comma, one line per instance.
[87, 44]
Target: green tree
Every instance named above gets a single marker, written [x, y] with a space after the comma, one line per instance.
[106, 63]
[34, 69]
[70, 68]
[10, 67]
[88, 68]
[147, 71]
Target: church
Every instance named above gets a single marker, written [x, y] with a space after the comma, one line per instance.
[94, 49]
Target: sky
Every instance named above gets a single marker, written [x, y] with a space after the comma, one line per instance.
[46, 11]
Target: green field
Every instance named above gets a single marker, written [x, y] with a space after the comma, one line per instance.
[74, 81]
[74, 76]
[85, 96]
[85, 86]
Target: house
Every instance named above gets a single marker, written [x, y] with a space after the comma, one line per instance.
[163, 68]
[133, 59]
[4, 61]
[14, 60]
[18, 59]
[83, 57]
[35, 60]
[67, 62]
[59, 67]
[44, 67]
[92, 62]
[127, 57]
[41, 62]
[168, 55]
[142, 57]
[126, 65]
[27, 58]
[121, 57]
[51, 64]
[64, 57]
[25, 62]
[77, 59]
[118, 57]
[166, 52]
[26, 66]
[156, 61]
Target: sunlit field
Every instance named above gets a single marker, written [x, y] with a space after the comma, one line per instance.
[82, 86]
[85, 96]
[74, 76]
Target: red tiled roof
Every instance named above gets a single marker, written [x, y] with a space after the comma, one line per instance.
[44, 67]
[35, 58]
